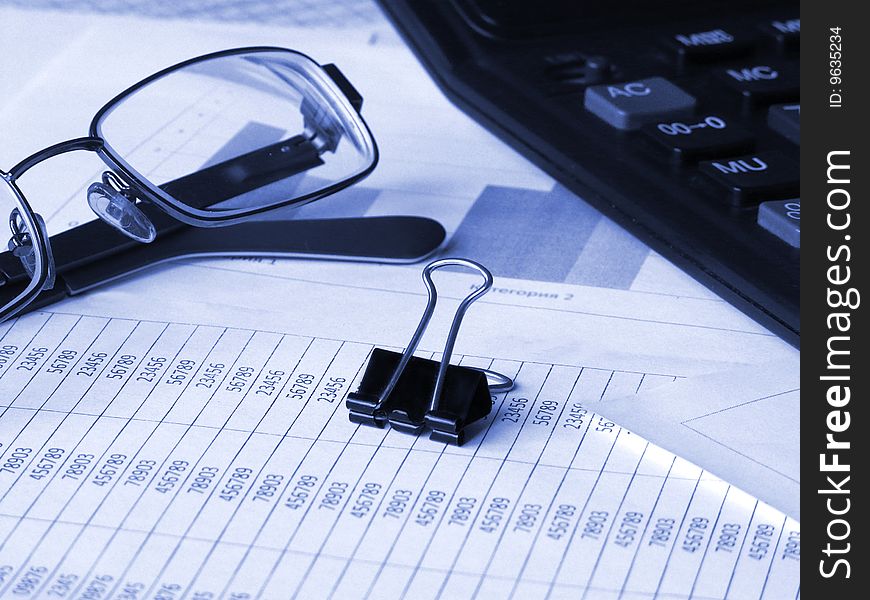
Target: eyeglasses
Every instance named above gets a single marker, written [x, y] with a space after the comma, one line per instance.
[213, 141]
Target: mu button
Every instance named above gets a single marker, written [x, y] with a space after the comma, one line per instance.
[755, 177]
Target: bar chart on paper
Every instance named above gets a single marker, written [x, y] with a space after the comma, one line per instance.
[145, 459]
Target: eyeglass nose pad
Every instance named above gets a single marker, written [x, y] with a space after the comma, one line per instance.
[120, 212]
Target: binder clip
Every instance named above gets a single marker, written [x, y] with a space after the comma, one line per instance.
[412, 393]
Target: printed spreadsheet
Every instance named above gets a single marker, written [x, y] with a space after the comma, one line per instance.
[145, 459]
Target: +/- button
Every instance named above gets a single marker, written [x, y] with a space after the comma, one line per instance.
[632, 104]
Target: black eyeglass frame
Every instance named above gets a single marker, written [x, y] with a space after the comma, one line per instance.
[342, 92]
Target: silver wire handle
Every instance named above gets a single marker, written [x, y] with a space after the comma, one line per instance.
[504, 383]
[497, 382]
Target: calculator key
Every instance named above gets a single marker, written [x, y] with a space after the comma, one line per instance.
[705, 46]
[578, 69]
[785, 119]
[706, 137]
[786, 33]
[632, 104]
[783, 219]
[764, 83]
[753, 177]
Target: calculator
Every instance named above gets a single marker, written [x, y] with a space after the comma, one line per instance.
[679, 120]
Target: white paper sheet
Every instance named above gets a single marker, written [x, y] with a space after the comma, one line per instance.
[742, 424]
[164, 440]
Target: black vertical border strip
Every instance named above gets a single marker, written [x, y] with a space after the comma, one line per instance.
[825, 129]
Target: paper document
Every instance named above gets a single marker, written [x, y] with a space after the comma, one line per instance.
[742, 424]
[175, 457]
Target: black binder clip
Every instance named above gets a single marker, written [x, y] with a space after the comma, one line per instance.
[412, 393]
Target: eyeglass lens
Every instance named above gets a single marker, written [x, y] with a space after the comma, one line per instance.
[240, 132]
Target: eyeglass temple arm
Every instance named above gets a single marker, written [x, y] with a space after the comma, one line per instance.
[245, 173]
[401, 239]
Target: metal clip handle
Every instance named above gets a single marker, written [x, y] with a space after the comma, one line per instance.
[454, 327]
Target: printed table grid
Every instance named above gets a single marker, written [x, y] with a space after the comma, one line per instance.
[174, 460]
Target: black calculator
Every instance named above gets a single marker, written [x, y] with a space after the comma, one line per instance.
[679, 120]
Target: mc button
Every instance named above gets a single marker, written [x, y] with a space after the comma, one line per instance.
[764, 83]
